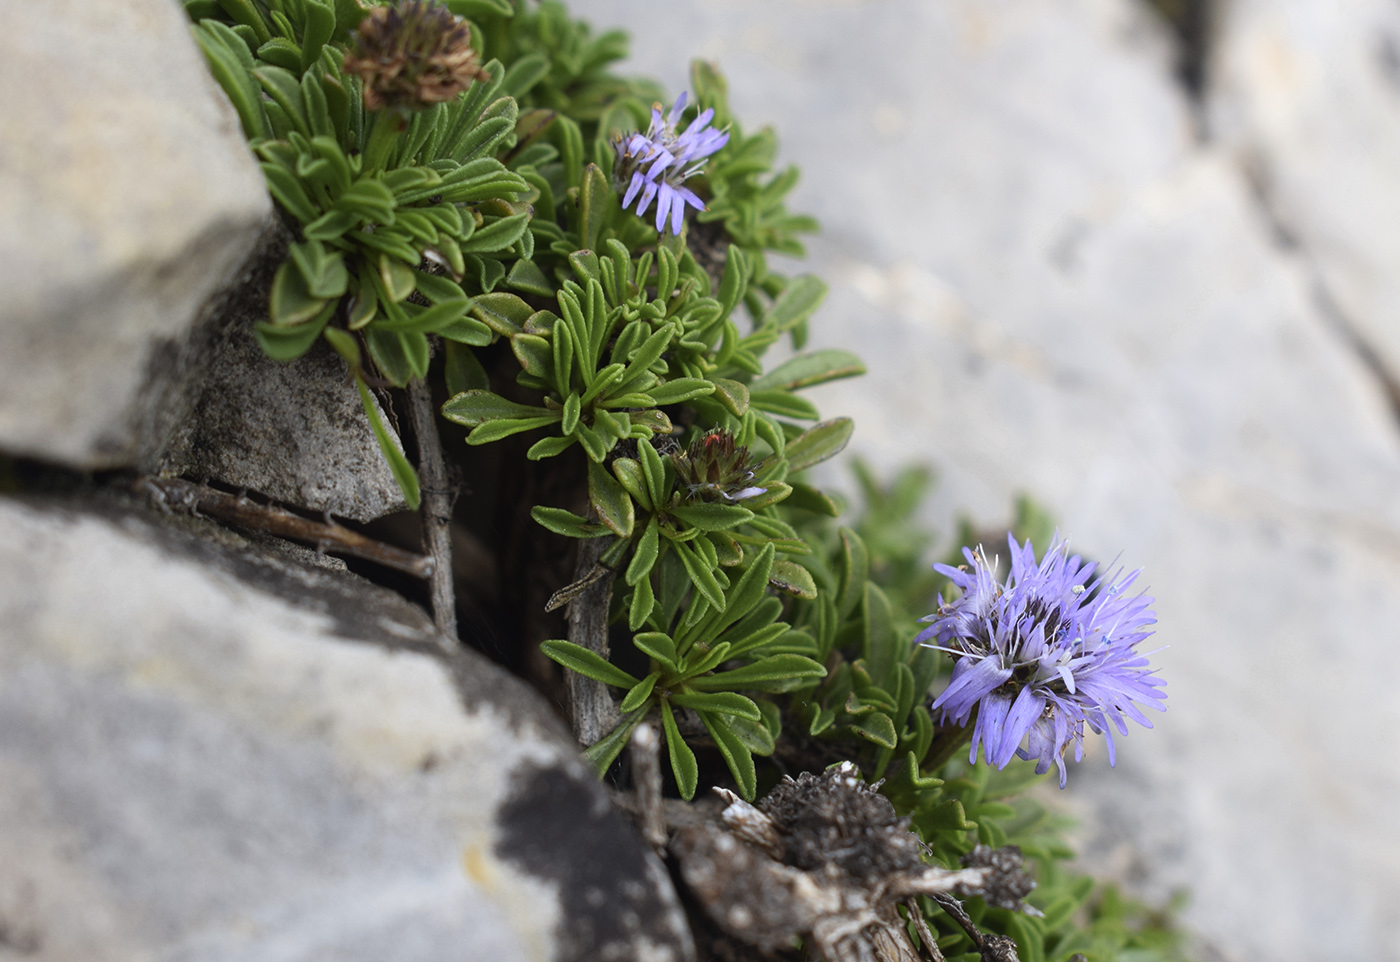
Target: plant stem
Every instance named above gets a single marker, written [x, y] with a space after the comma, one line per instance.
[436, 510]
[646, 783]
[591, 709]
[388, 124]
[174, 494]
[947, 739]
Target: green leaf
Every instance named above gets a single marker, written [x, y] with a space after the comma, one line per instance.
[524, 73]
[732, 394]
[496, 430]
[594, 197]
[550, 447]
[853, 568]
[284, 187]
[344, 344]
[217, 41]
[754, 735]
[608, 498]
[818, 443]
[504, 313]
[680, 389]
[701, 574]
[287, 343]
[654, 471]
[285, 90]
[736, 755]
[683, 764]
[281, 52]
[882, 648]
[804, 370]
[629, 475]
[774, 673]
[591, 664]
[474, 9]
[643, 601]
[526, 276]
[645, 554]
[567, 523]
[320, 25]
[461, 370]
[808, 498]
[712, 517]
[604, 752]
[403, 472]
[799, 299]
[724, 702]
[471, 408]
[659, 646]
[498, 236]
[948, 816]
[875, 727]
[535, 355]
[399, 279]
[737, 271]
[793, 579]
[640, 692]
[291, 301]
[784, 405]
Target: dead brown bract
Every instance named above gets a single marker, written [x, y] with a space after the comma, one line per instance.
[412, 55]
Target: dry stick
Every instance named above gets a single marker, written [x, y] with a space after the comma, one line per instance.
[992, 948]
[436, 510]
[935, 954]
[174, 494]
[646, 782]
[591, 708]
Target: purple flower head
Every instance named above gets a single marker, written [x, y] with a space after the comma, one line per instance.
[1039, 657]
[656, 164]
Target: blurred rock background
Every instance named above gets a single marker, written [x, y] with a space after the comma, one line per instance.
[1159, 294]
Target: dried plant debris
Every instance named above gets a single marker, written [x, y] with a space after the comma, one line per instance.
[825, 859]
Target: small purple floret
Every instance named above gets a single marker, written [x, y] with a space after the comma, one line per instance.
[656, 164]
[1042, 655]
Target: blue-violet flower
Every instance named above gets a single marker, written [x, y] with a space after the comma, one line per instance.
[656, 164]
[1042, 655]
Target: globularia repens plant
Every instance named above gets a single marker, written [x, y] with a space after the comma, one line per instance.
[476, 201]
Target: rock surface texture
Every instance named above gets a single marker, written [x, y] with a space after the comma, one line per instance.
[293, 431]
[212, 753]
[1307, 93]
[127, 198]
[1060, 289]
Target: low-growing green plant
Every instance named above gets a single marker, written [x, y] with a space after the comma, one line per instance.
[464, 186]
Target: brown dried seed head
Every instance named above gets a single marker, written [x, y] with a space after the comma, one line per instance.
[411, 55]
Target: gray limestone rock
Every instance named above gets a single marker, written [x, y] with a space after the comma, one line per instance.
[293, 431]
[1307, 94]
[213, 753]
[1059, 290]
[127, 198]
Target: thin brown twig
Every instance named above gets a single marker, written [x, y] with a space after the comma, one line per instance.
[935, 954]
[180, 495]
[436, 509]
[992, 948]
[591, 709]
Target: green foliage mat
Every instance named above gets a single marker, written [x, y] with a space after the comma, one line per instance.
[489, 226]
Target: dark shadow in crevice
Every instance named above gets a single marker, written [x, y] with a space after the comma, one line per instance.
[1191, 24]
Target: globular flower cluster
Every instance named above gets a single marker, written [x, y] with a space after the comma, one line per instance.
[1041, 656]
[714, 468]
[411, 55]
[657, 164]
